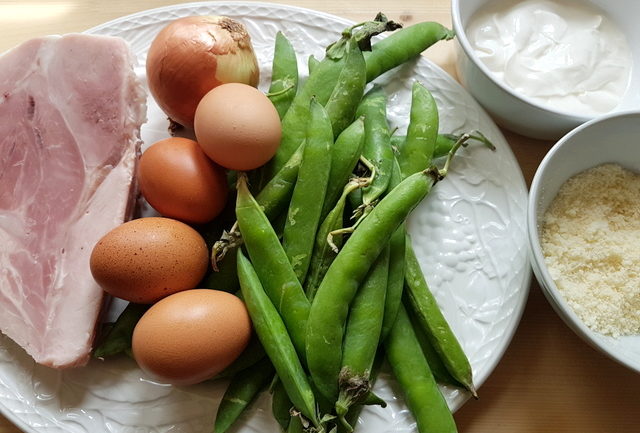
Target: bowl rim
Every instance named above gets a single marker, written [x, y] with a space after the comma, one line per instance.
[547, 284]
[461, 37]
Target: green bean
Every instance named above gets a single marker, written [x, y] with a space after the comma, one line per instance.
[241, 392]
[440, 372]
[433, 322]
[423, 397]
[345, 154]
[417, 151]
[328, 313]
[304, 213]
[118, 339]
[362, 334]
[280, 404]
[403, 45]
[272, 265]
[343, 102]
[377, 147]
[275, 339]
[284, 75]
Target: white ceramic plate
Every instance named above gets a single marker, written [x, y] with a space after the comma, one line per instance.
[469, 235]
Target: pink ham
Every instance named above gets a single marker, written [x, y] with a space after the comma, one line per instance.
[70, 114]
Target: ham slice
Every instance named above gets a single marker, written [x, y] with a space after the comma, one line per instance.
[70, 114]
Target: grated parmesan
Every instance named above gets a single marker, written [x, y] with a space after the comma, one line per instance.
[591, 243]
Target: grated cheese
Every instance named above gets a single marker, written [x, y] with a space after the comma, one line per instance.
[591, 243]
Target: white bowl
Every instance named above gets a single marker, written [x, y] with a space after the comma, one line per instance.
[613, 138]
[520, 113]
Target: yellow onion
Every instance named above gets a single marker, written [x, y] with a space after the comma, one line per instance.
[191, 56]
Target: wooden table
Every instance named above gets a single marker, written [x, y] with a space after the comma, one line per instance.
[549, 380]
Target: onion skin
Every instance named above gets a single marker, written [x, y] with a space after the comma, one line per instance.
[191, 56]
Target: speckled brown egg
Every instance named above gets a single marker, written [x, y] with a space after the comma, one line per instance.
[146, 259]
[191, 336]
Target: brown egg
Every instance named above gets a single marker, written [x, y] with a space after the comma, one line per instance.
[180, 181]
[237, 126]
[191, 336]
[147, 259]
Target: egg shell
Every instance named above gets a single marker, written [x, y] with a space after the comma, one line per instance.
[180, 181]
[146, 259]
[237, 126]
[191, 336]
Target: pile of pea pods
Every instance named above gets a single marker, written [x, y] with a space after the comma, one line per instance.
[319, 251]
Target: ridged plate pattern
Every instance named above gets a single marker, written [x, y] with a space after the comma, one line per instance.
[469, 235]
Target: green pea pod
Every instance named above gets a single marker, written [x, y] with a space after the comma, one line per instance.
[250, 356]
[241, 392]
[312, 62]
[275, 339]
[377, 147]
[272, 265]
[343, 102]
[444, 142]
[118, 339]
[417, 152]
[305, 209]
[440, 372]
[330, 307]
[280, 404]
[284, 75]
[225, 278]
[433, 322]
[345, 154]
[422, 395]
[323, 254]
[362, 335]
[403, 45]
[275, 195]
[395, 280]
[321, 83]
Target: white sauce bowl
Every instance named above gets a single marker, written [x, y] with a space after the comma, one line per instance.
[613, 138]
[521, 113]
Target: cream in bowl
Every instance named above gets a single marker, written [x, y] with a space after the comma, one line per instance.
[583, 222]
[543, 67]
[565, 55]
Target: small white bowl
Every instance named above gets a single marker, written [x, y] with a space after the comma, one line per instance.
[520, 113]
[614, 138]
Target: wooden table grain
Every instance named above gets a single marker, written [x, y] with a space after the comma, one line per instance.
[548, 380]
